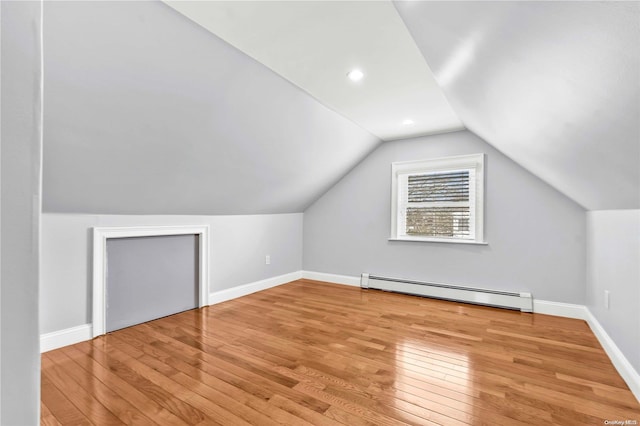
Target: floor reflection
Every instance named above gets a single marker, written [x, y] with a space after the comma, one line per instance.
[434, 378]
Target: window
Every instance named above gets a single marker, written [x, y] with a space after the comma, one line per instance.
[438, 200]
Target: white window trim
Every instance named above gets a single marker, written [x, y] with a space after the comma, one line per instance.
[473, 161]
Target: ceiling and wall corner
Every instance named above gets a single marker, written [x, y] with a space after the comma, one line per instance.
[553, 85]
[146, 112]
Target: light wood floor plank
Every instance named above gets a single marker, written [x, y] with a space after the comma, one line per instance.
[90, 385]
[47, 417]
[82, 353]
[87, 403]
[311, 353]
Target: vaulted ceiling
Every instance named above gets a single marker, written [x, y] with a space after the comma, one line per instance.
[147, 113]
[245, 108]
[315, 44]
[553, 85]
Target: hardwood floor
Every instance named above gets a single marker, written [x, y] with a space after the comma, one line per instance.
[322, 354]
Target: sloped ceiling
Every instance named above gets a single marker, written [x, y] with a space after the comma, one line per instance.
[553, 85]
[314, 44]
[148, 113]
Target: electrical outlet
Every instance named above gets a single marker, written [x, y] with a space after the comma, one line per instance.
[606, 299]
[267, 260]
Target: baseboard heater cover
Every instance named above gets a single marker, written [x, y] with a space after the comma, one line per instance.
[502, 299]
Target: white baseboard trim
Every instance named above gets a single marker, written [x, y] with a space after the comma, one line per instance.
[245, 289]
[66, 337]
[559, 309]
[81, 333]
[620, 362]
[332, 278]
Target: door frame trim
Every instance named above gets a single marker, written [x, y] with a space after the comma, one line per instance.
[100, 236]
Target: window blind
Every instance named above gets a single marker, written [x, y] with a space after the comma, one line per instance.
[448, 186]
[438, 205]
[438, 199]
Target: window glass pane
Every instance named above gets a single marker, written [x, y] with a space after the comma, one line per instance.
[438, 221]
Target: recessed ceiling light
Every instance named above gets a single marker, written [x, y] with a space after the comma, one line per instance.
[355, 75]
[407, 122]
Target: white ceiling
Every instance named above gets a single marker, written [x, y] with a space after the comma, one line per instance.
[553, 85]
[315, 44]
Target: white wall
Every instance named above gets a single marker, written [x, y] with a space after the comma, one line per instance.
[535, 235]
[21, 146]
[613, 262]
[238, 245]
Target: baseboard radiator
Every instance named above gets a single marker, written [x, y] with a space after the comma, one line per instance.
[478, 296]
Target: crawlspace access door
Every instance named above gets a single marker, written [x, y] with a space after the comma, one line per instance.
[149, 278]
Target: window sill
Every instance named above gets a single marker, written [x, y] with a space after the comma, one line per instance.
[434, 240]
